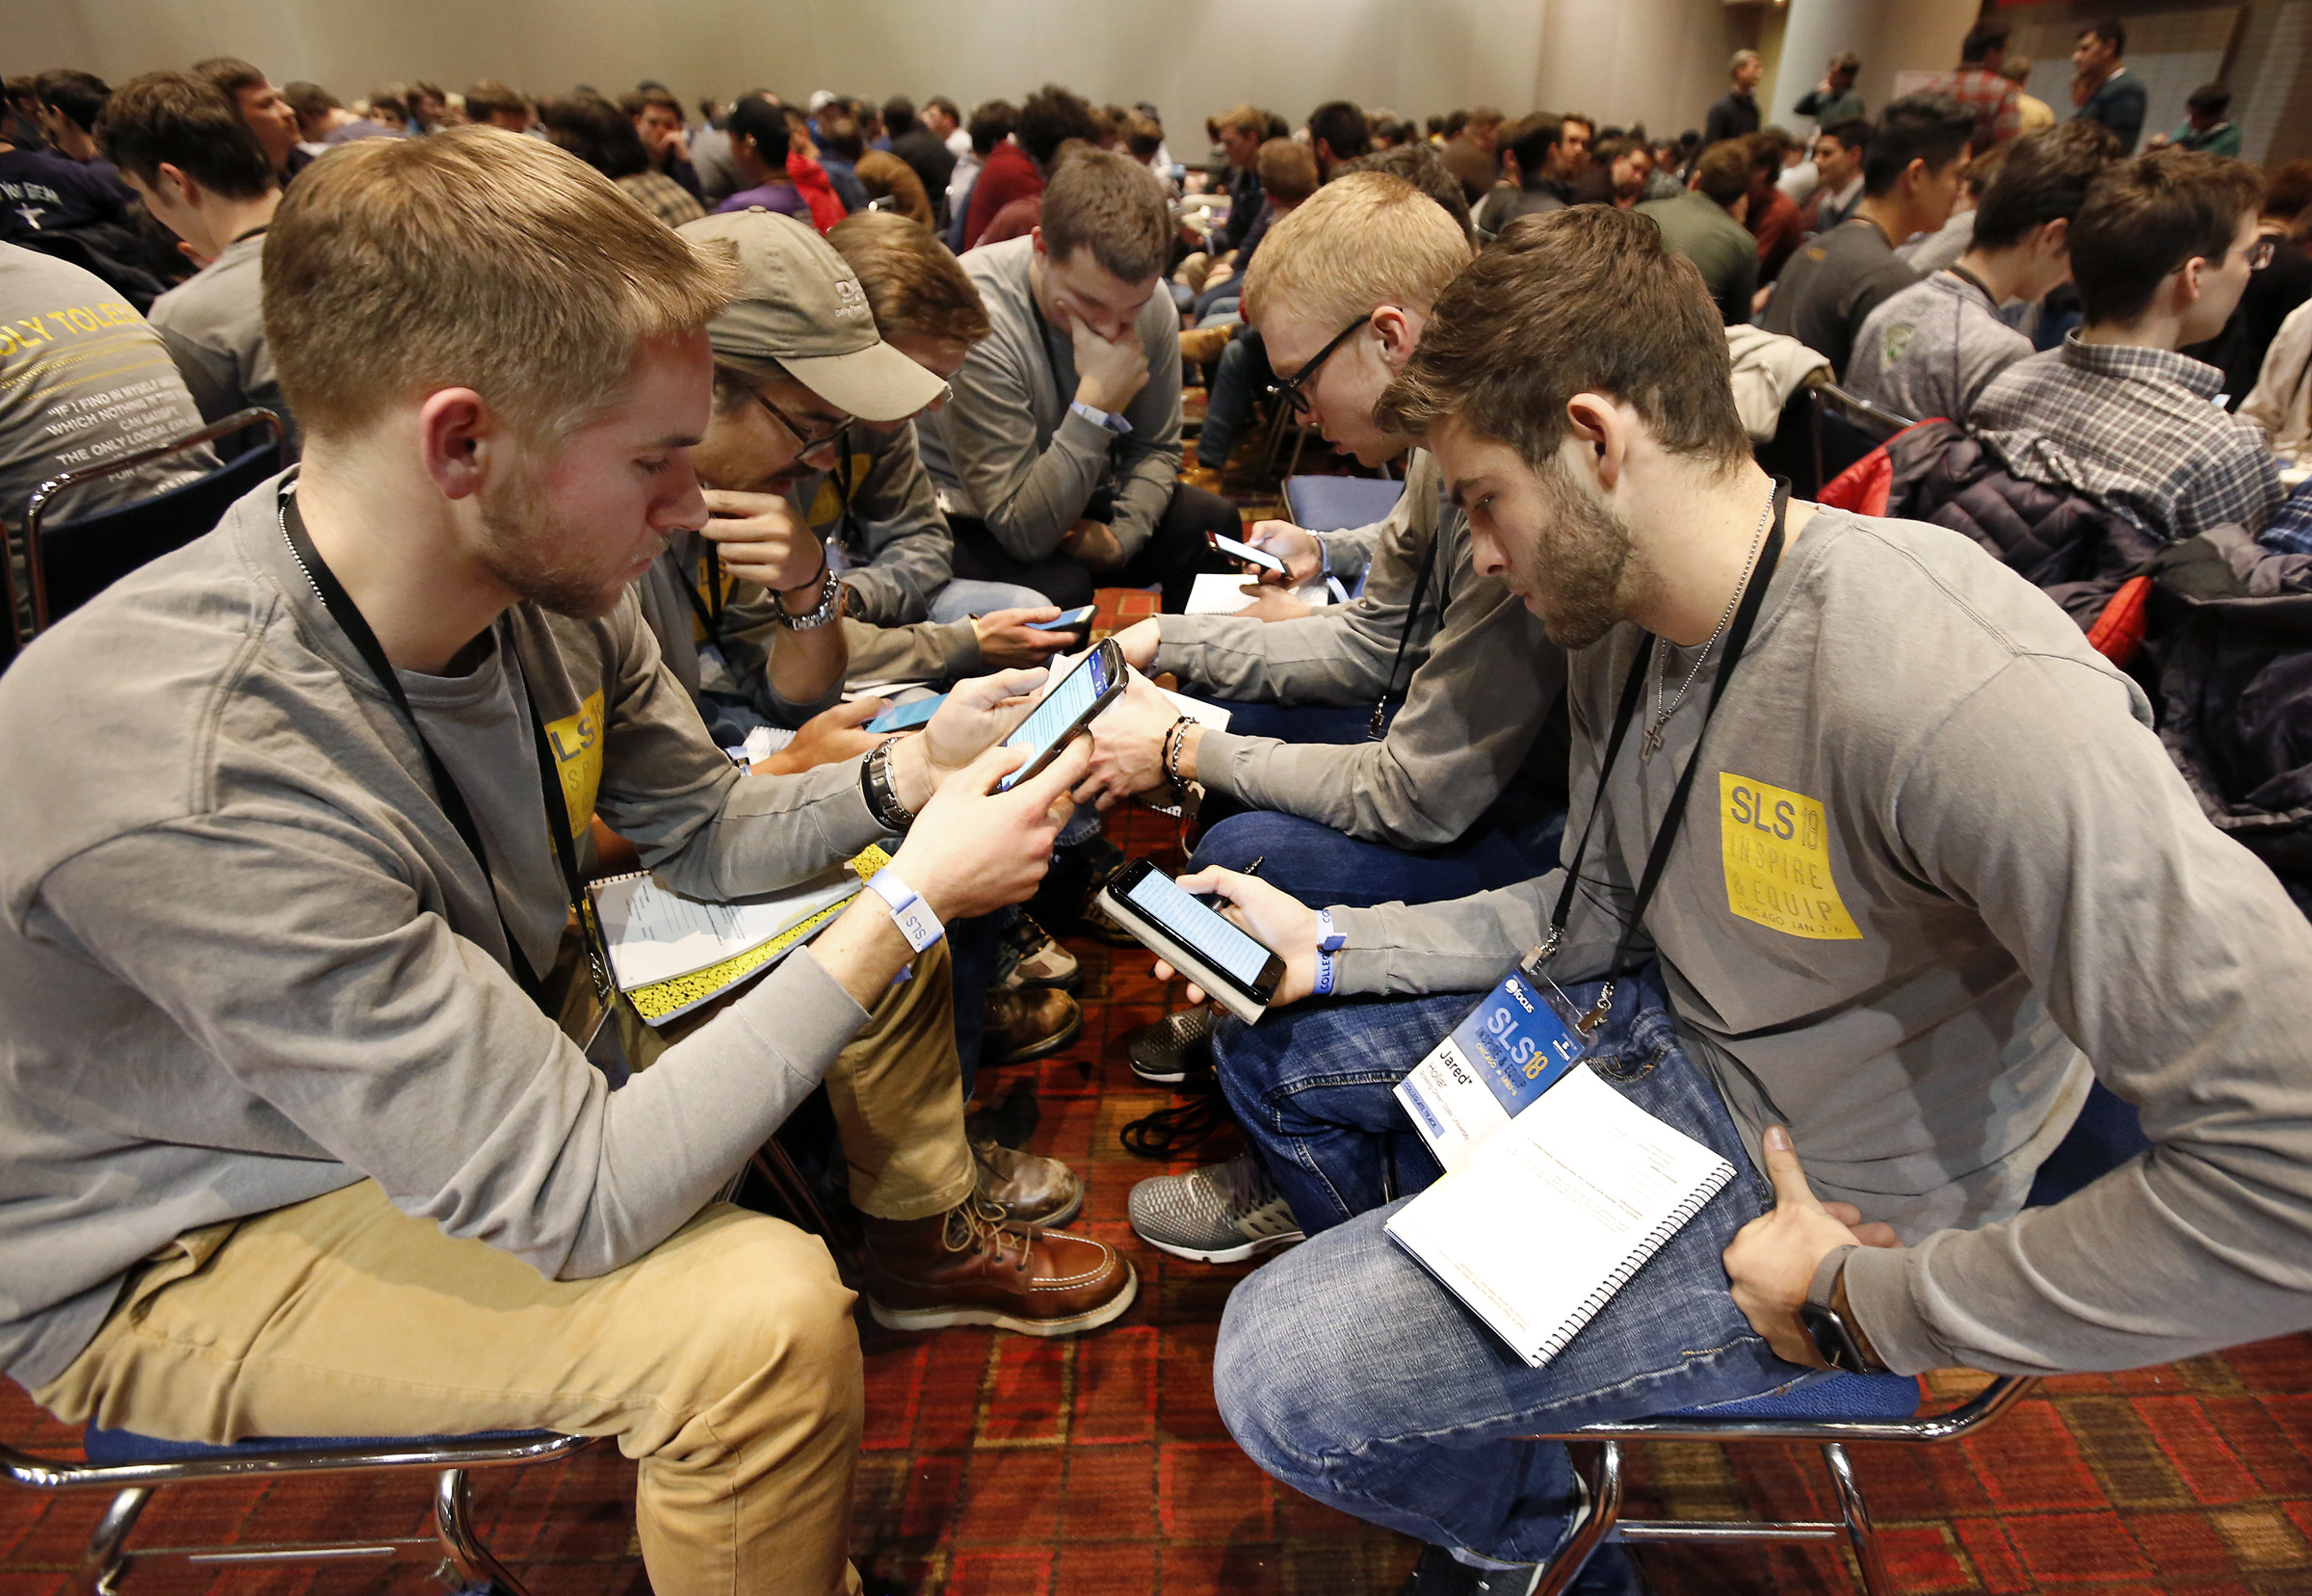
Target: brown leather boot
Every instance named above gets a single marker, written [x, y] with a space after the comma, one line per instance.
[965, 1267]
[1031, 1190]
[1028, 1022]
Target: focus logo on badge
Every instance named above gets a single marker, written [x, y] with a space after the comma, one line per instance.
[1514, 1047]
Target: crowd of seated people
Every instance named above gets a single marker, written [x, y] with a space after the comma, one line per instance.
[638, 458]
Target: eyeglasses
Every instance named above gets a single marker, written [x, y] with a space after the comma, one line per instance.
[1294, 391]
[807, 444]
[2260, 254]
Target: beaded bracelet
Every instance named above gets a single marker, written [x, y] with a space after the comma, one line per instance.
[1175, 739]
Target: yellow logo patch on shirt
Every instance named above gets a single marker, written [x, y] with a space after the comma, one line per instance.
[826, 506]
[1777, 857]
[577, 743]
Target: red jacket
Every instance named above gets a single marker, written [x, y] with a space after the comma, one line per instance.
[1007, 175]
[809, 178]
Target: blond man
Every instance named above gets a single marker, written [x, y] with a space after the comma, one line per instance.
[295, 1143]
[1464, 793]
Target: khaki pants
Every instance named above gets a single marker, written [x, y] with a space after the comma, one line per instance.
[725, 1360]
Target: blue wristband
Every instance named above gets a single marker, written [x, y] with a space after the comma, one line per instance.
[1329, 941]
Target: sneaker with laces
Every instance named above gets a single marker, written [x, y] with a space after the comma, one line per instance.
[1222, 1214]
[1174, 1048]
[1029, 956]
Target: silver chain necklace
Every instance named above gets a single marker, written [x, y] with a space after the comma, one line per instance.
[1652, 742]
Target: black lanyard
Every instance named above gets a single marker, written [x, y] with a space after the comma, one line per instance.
[1378, 727]
[349, 617]
[1738, 636]
[709, 609]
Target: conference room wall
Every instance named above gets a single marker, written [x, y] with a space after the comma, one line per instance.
[1661, 60]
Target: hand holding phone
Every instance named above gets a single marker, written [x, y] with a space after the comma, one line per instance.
[1246, 553]
[1226, 963]
[903, 717]
[1087, 688]
[1068, 621]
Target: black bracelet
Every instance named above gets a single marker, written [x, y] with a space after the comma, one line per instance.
[1175, 739]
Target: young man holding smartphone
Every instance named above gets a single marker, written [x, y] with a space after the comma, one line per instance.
[294, 1141]
[1918, 896]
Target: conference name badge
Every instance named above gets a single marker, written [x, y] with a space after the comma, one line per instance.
[1513, 1047]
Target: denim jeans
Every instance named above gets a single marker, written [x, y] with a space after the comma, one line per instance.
[961, 598]
[1298, 722]
[1323, 866]
[1347, 1372]
[1237, 376]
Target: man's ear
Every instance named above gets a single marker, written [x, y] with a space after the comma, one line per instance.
[2055, 237]
[1036, 238]
[2189, 282]
[1596, 424]
[1916, 176]
[1399, 333]
[461, 441]
[175, 185]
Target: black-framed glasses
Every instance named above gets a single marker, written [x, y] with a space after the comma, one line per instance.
[1294, 390]
[807, 444]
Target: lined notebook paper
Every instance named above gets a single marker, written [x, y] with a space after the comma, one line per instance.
[669, 954]
[1554, 1212]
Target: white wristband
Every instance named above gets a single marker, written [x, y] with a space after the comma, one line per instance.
[909, 911]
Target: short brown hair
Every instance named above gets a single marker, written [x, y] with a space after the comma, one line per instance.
[231, 74]
[2145, 218]
[1365, 240]
[1245, 118]
[1288, 170]
[487, 98]
[1723, 171]
[476, 258]
[1582, 300]
[2288, 195]
[1114, 207]
[181, 120]
[913, 284]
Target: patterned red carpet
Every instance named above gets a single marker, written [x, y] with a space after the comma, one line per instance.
[995, 1464]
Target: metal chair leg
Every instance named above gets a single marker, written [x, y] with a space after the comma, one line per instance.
[1605, 1507]
[467, 1556]
[105, 1558]
[1856, 1515]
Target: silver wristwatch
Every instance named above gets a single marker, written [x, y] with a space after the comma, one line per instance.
[876, 787]
[829, 607]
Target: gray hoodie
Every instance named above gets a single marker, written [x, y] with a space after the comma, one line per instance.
[244, 958]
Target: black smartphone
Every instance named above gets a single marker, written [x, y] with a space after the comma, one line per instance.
[1235, 969]
[1088, 689]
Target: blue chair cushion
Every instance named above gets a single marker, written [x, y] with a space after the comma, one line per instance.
[1336, 504]
[1851, 1396]
[122, 1446]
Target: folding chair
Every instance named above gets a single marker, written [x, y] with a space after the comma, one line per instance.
[69, 563]
[1832, 1410]
[1845, 427]
[133, 1466]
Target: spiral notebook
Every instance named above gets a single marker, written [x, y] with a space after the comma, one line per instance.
[1554, 1212]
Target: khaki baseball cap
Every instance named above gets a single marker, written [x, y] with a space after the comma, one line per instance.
[801, 304]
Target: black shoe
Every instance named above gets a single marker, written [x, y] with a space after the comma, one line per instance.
[1174, 1048]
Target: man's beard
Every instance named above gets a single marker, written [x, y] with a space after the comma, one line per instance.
[1585, 569]
[522, 548]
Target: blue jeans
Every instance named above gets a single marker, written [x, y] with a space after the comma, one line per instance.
[1298, 722]
[1323, 866]
[962, 598]
[1347, 1372]
[1240, 372]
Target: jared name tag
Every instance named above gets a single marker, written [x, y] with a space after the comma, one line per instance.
[1514, 1047]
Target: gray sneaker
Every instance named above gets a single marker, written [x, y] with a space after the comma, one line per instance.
[1222, 1214]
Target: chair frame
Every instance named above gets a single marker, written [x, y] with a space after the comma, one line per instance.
[460, 1560]
[1858, 409]
[36, 507]
[1854, 1524]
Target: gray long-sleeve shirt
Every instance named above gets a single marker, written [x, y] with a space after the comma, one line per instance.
[1008, 450]
[244, 958]
[1936, 852]
[1480, 679]
[215, 329]
[893, 546]
[735, 659]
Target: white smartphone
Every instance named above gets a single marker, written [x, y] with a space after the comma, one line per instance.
[1246, 552]
[1235, 970]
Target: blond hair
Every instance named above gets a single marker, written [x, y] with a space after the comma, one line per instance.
[474, 258]
[1362, 241]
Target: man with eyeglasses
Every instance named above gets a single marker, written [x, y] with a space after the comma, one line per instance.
[2161, 251]
[1392, 748]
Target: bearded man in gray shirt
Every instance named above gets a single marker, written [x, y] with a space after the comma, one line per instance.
[291, 1139]
[1934, 877]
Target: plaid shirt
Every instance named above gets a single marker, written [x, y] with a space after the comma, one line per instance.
[1997, 103]
[2136, 431]
[663, 198]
